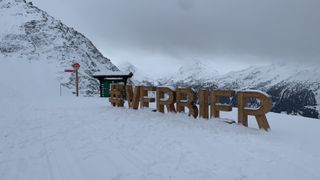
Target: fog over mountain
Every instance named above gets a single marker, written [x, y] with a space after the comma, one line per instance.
[152, 34]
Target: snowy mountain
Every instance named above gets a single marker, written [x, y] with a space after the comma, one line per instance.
[195, 74]
[138, 76]
[45, 136]
[30, 34]
[294, 89]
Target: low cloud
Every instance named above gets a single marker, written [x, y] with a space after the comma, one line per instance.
[269, 31]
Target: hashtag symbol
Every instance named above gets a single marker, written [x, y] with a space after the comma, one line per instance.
[116, 95]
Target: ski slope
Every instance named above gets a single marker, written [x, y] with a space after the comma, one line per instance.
[47, 137]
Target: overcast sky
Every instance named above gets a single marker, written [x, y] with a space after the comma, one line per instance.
[155, 34]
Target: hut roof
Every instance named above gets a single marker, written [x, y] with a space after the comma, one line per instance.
[113, 74]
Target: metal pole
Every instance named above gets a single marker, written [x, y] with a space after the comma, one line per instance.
[77, 83]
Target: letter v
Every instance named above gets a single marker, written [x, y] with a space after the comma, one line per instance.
[133, 97]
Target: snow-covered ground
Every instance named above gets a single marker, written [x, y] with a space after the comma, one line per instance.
[47, 137]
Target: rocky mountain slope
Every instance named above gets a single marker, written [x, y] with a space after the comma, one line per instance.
[30, 34]
[293, 89]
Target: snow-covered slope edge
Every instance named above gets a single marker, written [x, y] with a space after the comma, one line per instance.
[29, 34]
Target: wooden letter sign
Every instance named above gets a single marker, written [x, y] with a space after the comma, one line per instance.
[165, 97]
[116, 97]
[216, 107]
[144, 96]
[186, 97]
[259, 113]
[133, 97]
[203, 103]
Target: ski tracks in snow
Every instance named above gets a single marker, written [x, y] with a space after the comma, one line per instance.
[85, 138]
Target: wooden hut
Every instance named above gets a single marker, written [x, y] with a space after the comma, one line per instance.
[106, 79]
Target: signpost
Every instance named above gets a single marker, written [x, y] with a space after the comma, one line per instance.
[69, 70]
[75, 66]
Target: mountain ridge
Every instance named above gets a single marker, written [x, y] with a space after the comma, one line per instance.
[293, 89]
[29, 33]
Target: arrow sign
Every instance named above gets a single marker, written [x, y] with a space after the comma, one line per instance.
[69, 70]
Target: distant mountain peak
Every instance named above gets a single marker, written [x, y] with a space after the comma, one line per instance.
[193, 71]
[195, 66]
[127, 67]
